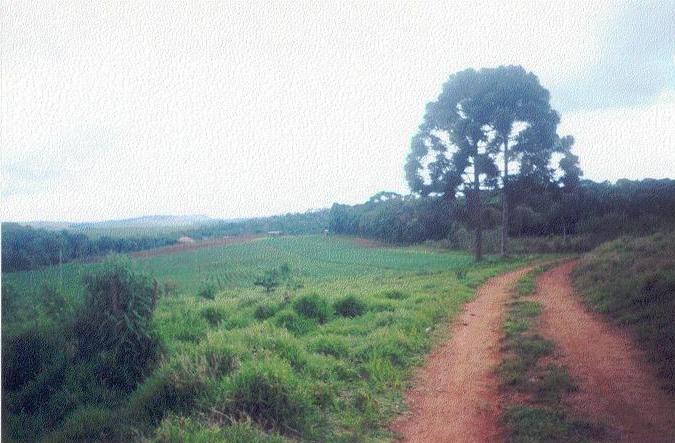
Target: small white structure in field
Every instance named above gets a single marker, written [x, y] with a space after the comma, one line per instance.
[274, 233]
[185, 240]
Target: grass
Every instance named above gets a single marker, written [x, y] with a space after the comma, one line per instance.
[542, 417]
[632, 280]
[327, 361]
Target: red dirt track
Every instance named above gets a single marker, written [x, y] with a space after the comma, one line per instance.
[617, 387]
[455, 395]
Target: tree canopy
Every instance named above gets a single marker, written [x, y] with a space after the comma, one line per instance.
[483, 124]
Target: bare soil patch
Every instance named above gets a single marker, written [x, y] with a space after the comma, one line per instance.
[210, 243]
[617, 387]
[455, 396]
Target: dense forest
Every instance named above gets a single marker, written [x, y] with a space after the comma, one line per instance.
[599, 210]
[24, 247]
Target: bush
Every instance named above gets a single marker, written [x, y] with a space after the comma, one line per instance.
[170, 287]
[270, 394]
[265, 311]
[89, 424]
[176, 386]
[113, 328]
[24, 356]
[269, 280]
[185, 429]
[213, 315]
[334, 345]
[313, 306]
[294, 323]
[207, 290]
[56, 306]
[350, 306]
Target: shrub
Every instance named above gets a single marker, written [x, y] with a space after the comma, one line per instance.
[395, 294]
[179, 382]
[89, 424]
[265, 311]
[113, 328]
[170, 287]
[24, 356]
[213, 315]
[269, 280]
[185, 429]
[313, 306]
[56, 306]
[334, 345]
[162, 393]
[350, 306]
[207, 290]
[268, 392]
[294, 323]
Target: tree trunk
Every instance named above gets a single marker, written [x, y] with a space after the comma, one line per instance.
[505, 199]
[478, 216]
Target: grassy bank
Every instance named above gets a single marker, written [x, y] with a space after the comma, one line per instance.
[632, 280]
[326, 358]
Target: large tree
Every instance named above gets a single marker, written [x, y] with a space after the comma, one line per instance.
[481, 120]
[521, 127]
[450, 150]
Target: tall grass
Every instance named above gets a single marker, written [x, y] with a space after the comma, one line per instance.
[329, 363]
[632, 280]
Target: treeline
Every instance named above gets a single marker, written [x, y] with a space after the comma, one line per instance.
[24, 247]
[311, 222]
[603, 210]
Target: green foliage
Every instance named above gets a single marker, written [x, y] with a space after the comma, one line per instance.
[294, 323]
[24, 247]
[25, 355]
[89, 424]
[213, 315]
[187, 430]
[269, 280]
[56, 305]
[545, 417]
[265, 311]
[113, 327]
[207, 291]
[313, 306]
[347, 374]
[350, 306]
[269, 393]
[633, 281]
[536, 424]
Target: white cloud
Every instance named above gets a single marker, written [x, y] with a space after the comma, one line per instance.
[630, 142]
[237, 109]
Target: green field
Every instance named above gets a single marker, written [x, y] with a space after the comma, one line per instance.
[326, 360]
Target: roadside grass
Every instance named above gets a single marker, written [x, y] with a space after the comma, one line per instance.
[328, 361]
[542, 417]
[632, 280]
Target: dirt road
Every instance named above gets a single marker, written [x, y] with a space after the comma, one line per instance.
[455, 395]
[616, 386]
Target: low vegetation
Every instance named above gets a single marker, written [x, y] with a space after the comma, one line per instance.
[632, 280]
[537, 413]
[328, 360]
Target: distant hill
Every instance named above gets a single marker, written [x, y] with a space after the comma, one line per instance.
[146, 221]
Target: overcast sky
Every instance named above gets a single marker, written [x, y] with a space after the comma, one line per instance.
[121, 109]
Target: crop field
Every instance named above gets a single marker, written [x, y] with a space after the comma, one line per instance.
[326, 356]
